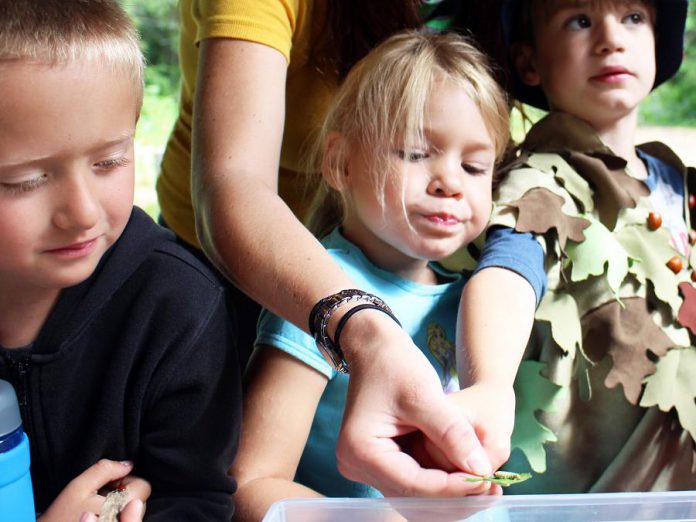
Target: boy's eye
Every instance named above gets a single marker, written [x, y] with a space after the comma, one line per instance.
[579, 22]
[24, 186]
[112, 163]
[412, 155]
[635, 18]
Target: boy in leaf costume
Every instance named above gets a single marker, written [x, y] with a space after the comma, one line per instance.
[605, 390]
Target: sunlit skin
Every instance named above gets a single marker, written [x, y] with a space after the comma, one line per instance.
[66, 177]
[444, 182]
[595, 60]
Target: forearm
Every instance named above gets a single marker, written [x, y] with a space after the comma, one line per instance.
[254, 498]
[242, 223]
[256, 240]
[496, 314]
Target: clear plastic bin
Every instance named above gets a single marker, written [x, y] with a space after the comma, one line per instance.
[672, 506]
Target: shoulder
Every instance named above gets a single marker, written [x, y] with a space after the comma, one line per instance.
[148, 258]
[664, 154]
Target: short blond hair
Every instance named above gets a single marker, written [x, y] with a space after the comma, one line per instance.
[382, 100]
[56, 32]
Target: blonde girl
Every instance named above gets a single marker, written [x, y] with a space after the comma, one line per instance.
[407, 154]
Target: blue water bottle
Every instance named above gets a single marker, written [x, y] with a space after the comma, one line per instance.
[16, 495]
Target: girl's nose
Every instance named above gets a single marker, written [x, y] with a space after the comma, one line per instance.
[447, 179]
[78, 207]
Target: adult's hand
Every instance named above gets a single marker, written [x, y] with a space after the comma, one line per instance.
[394, 391]
[491, 410]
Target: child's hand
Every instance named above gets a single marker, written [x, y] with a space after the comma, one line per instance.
[491, 409]
[81, 498]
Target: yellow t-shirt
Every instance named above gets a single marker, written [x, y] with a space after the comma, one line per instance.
[286, 25]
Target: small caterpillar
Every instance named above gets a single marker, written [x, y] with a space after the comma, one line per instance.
[507, 475]
[502, 478]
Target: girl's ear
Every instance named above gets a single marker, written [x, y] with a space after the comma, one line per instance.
[333, 165]
[523, 61]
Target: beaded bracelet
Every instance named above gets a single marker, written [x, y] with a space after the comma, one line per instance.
[321, 314]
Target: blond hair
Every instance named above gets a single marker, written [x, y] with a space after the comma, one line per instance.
[57, 32]
[382, 101]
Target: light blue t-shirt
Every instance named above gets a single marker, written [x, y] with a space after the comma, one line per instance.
[427, 312]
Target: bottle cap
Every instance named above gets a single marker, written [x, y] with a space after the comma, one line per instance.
[10, 418]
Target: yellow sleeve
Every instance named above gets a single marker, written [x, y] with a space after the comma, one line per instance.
[268, 22]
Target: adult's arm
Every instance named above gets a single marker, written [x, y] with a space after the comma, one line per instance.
[255, 239]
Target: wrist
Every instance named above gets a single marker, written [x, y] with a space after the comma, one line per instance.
[331, 315]
[371, 335]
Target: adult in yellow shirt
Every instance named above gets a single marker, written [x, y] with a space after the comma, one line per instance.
[257, 75]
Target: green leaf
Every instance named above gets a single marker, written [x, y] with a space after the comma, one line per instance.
[502, 478]
[673, 386]
[561, 311]
[533, 393]
[654, 250]
[599, 250]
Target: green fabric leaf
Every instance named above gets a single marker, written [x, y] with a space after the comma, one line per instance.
[515, 185]
[599, 250]
[653, 250]
[533, 393]
[561, 310]
[673, 386]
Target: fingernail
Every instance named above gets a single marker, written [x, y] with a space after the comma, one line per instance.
[127, 462]
[477, 463]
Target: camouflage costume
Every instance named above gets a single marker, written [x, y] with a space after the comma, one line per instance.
[605, 394]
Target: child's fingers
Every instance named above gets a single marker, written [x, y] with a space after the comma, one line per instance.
[100, 474]
[88, 517]
[137, 488]
[133, 512]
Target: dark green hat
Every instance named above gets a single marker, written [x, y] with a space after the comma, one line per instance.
[669, 46]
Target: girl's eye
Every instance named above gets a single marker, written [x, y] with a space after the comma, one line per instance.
[113, 163]
[579, 22]
[412, 155]
[473, 169]
[24, 186]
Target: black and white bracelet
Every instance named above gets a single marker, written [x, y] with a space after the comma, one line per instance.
[321, 314]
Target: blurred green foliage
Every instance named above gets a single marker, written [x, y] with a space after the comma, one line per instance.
[674, 103]
[158, 23]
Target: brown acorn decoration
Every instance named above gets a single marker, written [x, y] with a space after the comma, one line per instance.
[675, 264]
[692, 201]
[693, 276]
[692, 236]
[654, 220]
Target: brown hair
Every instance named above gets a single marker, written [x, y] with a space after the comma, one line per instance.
[354, 27]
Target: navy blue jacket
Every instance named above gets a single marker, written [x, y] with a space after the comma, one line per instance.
[136, 363]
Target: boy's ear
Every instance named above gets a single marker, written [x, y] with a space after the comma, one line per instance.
[523, 62]
[334, 157]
